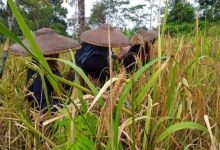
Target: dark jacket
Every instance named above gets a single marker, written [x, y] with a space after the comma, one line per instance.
[93, 60]
[88, 50]
[129, 59]
[37, 89]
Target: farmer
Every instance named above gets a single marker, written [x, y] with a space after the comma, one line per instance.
[93, 57]
[51, 45]
[140, 49]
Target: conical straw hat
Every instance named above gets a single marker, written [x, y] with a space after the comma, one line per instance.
[143, 37]
[49, 43]
[99, 37]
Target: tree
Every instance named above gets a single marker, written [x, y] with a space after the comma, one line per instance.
[81, 15]
[181, 18]
[118, 13]
[78, 20]
[41, 13]
[182, 12]
[98, 15]
[138, 16]
[210, 10]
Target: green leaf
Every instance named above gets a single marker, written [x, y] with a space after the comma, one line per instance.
[150, 83]
[180, 126]
[124, 94]
[170, 101]
[81, 73]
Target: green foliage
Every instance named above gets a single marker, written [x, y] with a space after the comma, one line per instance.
[181, 18]
[83, 135]
[98, 15]
[40, 14]
[211, 28]
[124, 94]
[180, 126]
[210, 10]
[183, 28]
[118, 13]
[182, 12]
[137, 15]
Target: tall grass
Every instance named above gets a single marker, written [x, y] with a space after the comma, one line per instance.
[146, 114]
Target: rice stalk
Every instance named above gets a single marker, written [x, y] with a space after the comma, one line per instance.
[105, 116]
[200, 104]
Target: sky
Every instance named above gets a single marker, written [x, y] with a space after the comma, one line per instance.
[89, 4]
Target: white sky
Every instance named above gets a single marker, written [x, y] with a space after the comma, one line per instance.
[89, 4]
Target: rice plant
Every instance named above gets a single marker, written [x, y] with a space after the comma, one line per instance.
[170, 103]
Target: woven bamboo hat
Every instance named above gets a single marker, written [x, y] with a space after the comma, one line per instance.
[49, 43]
[99, 37]
[143, 37]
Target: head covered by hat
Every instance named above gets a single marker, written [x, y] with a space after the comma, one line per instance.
[100, 37]
[143, 37]
[140, 38]
[49, 42]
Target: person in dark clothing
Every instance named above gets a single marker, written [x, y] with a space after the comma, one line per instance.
[143, 53]
[51, 45]
[93, 57]
[38, 98]
[140, 48]
[93, 60]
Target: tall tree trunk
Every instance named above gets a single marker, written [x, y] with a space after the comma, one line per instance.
[81, 15]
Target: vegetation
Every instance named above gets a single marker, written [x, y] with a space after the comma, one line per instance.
[38, 14]
[170, 103]
[210, 10]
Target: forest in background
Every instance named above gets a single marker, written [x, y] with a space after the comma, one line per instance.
[181, 17]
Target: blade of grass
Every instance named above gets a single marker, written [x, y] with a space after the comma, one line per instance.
[80, 94]
[35, 131]
[157, 126]
[170, 101]
[133, 115]
[81, 73]
[179, 126]
[147, 122]
[4, 30]
[45, 93]
[101, 91]
[150, 83]
[73, 84]
[124, 94]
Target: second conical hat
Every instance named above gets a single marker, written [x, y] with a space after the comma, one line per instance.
[100, 37]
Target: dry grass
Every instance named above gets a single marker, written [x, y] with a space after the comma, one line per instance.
[195, 94]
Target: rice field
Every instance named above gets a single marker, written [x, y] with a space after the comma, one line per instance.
[170, 103]
[164, 108]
